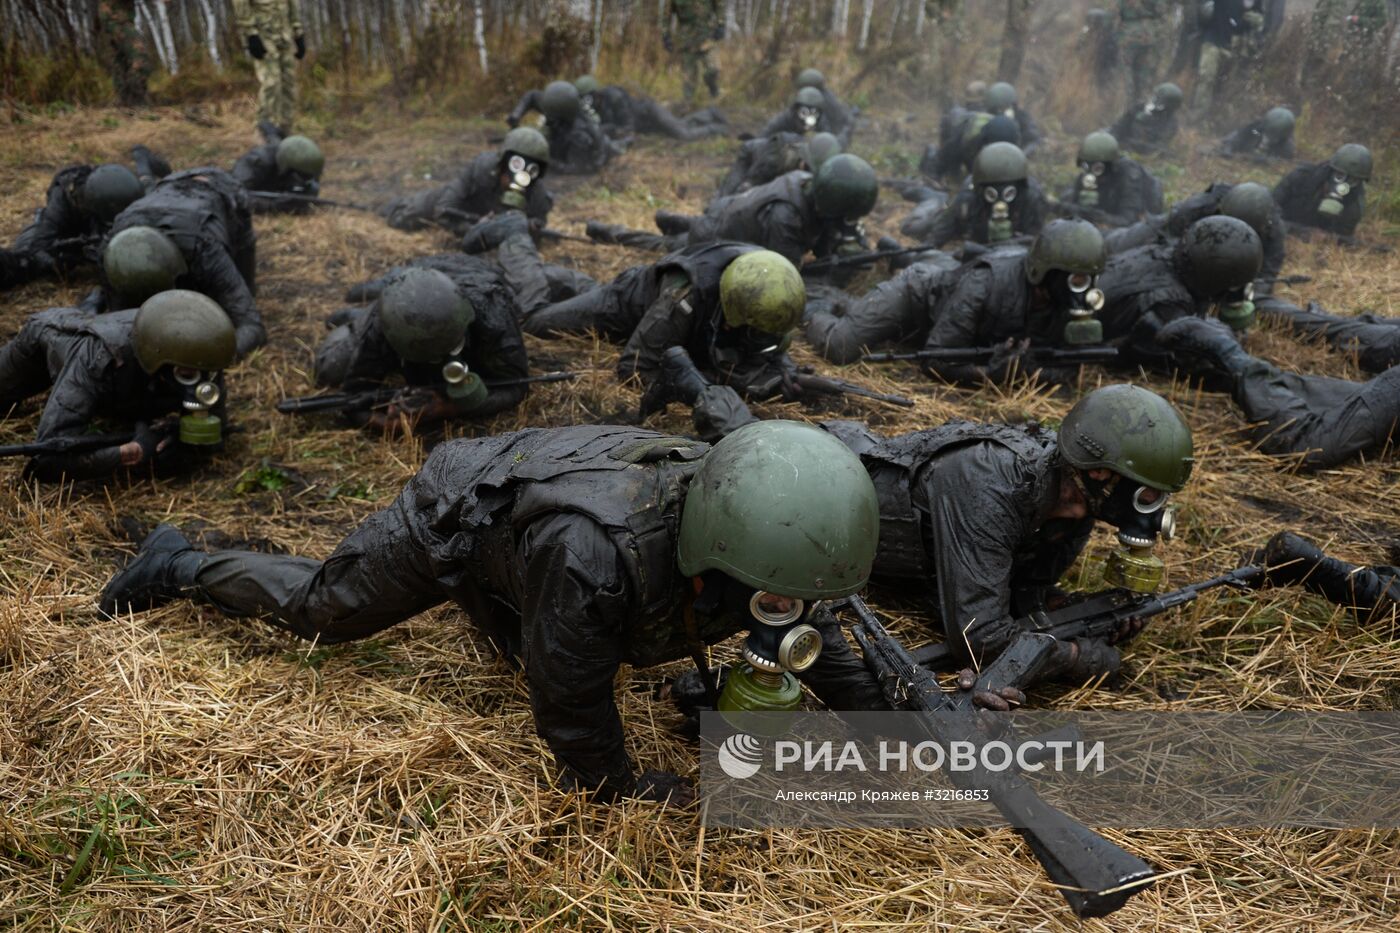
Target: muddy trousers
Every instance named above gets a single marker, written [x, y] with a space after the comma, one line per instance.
[1374, 339]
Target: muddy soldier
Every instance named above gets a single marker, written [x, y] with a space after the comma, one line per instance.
[697, 22]
[576, 550]
[272, 30]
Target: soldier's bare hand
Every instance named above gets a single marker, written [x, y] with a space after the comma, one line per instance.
[999, 699]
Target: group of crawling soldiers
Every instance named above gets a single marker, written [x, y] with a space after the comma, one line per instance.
[577, 549]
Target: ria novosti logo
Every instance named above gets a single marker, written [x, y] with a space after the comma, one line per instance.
[740, 756]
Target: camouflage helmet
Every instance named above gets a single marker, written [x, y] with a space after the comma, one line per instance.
[763, 290]
[299, 154]
[141, 261]
[999, 164]
[528, 142]
[782, 507]
[845, 188]
[818, 149]
[1218, 255]
[183, 328]
[1099, 147]
[423, 316]
[1278, 123]
[808, 97]
[108, 190]
[560, 102]
[587, 85]
[1251, 202]
[1074, 246]
[1168, 96]
[1354, 159]
[1000, 97]
[1131, 431]
[811, 77]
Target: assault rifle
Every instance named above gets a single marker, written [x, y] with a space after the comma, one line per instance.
[1094, 876]
[471, 220]
[82, 443]
[1037, 357]
[827, 263]
[378, 398]
[1100, 615]
[803, 379]
[308, 199]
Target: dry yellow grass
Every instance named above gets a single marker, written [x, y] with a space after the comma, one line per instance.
[221, 777]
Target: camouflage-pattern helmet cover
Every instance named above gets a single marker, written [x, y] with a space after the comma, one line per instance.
[762, 290]
[782, 507]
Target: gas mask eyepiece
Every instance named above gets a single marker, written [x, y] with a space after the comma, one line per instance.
[1142, 518]
[1238, 309]
[1085, 300]
[778, 646]
[1338, 188]
[199, 393]
[464, 387]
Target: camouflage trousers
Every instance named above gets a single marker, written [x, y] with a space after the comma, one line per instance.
[1214, 62]
[695, 66]
[277, 82]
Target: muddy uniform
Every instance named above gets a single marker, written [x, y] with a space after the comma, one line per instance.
[961, 135]
[257, 170]
[560, 544]
[578, 147]
[1300, 191]
[697, 22]
[1250, 140]
[1143, 132]
[357, 350]
[1373, 338]
[278, 24]
[87, 365]
[899, 310]
[457, 205]
[1143, 292]
[207, 215]
[621, 114]
[1141, 35]
[967, 216]
[762, 159]
[1127, 192]
[964, 524]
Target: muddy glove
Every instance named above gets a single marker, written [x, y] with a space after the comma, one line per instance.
[301, 46]
[999, 699]
[1008, 358]
[665, 787]
[256, 47]
[1082, 660]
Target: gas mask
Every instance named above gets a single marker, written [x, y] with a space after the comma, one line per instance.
[1089, 182]
[732, 346]
[199, 392]
[780, 644]
[460, 384]
[1339, 187]
[1141, 516]
[808, 117]
[520, 173]
[1081, 298]
[589, 111]
[999, 200]
[304, 185]
[1237, 309]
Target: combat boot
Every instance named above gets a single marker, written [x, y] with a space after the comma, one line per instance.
[149, 166]
[1292, 560]
[673, 224]
[162, 570]
[678, 381]
[712, 83]
[1204, 347]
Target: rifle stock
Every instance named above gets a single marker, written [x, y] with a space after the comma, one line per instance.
[826, 385]
[1038, 356]
[373, 398]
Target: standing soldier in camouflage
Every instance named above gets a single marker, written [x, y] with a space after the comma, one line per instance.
[272, 29]
[697, 22]
[1141, 35]
[123, 51]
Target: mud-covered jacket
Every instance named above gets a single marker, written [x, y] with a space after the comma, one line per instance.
[41, 247]
[762, 159]
[1251, 139]
[1142, 292]
[1147, 133]
[457, 205]
[1207, 204]
[1302, 189]
[579, 147]
[778, 216]
[257, 170]
[964, 523]
[93, 374]
[206, 213]
[358, 351]
[1126, 193]
[966, 217]
[561, 543]
[899, 310]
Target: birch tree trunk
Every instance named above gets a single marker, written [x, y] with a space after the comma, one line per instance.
[867, 8]
[163, 20]
[479, 36]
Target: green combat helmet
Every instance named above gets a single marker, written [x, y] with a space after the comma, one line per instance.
[999, 164]
[811, 77]
[808, 104]
[1218, 255]
[1251, 202]
[1278, 124]
[140, 262]
[1354, 159]
[1167, 97]
[762, 290]
[1140, 436]
[1077, 248]
[188, 330]
[423, 316]
[183, 328]
[1001, 98]
[560, 102]
[818, 149]
[1099, 147]
[299, 154]
[108, 190]
[845, 188]
[587, 85]
[528, 142]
